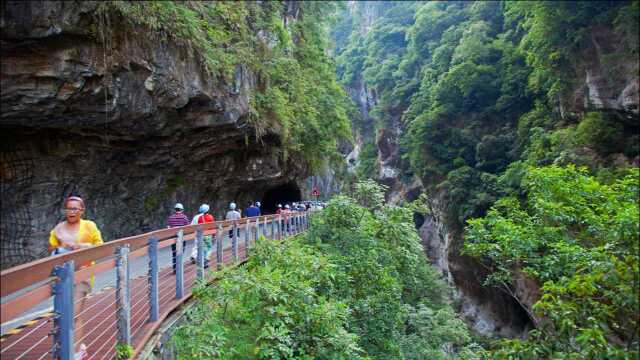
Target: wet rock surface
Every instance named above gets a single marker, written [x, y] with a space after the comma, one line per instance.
[606, 77]
[488, 310]
[132, 125]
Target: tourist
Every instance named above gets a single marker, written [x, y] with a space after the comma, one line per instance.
[252, 211]
[178, 218]
[233, 214]
[75, 233]
[203, 217]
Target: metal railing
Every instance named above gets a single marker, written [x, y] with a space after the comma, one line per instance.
[131, 311]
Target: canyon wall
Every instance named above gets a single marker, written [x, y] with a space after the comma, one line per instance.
[124, 117]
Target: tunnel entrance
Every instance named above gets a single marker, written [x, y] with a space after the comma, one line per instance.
[283, 194]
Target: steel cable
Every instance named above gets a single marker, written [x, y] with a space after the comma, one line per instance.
[107, 353]
[44, 355]
[24, 336]
[142, 298]
[97, 325]
[32, 347]
[133, 315]
[96, 315]
[100, 301]
[162, 292]
[99, 337]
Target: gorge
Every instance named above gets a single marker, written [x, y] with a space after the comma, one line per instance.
[461, 109]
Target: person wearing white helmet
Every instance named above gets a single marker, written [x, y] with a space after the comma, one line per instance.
[203, 217]
[279, 209]
[178, 218]
[233, 214]
[252, 210]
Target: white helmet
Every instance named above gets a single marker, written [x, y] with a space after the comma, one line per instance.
[204, 208]
[287, 206]
[232, 206]
[258, 203]
[279, 205]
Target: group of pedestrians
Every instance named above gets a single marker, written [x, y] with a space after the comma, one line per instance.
[179, 218]
[77, 233]
[292, 208]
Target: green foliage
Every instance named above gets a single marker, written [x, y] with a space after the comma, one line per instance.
[217, 31]
[481, 90]
[369, 194]
[604, 136]
[275, 307]
[357, 285]
[580, 239]
[476, 86]
[124, 351]
[627, 24]
[396, 298]
[367, 166]
[555, 32]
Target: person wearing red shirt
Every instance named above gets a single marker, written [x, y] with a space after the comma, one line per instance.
[201, 218]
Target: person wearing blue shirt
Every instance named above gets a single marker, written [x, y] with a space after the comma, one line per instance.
[252, 211]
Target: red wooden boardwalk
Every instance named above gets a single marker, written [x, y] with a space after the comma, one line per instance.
[98, 316]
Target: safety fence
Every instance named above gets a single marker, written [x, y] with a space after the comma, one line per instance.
[133, 308]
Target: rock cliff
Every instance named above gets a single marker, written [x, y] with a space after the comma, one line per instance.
[124, 117]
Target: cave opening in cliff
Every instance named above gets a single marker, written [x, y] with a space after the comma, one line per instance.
[282, 194]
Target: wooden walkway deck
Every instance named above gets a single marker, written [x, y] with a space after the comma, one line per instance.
[98, 316]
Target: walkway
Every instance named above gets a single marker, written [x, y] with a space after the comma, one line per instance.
[96, 324]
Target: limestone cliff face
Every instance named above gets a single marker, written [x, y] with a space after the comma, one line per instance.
[388, 136]
[128, 120]
[488, 310]
[606, 78]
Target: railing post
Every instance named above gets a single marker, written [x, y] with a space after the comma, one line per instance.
[63, 308]
[247, 236]
[257, 236]
[234, 241]
[179, 265]
[220, 247]
[200, 253]
[123, 295]
[273, 228]
[153, 279]
[287, 225]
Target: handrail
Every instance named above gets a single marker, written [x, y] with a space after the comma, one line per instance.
[15, 307]
[21, 276]
[30, 284]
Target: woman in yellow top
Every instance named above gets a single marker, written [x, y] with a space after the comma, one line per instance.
[72, 234]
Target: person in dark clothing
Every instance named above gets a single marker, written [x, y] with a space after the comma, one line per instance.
[252, 211]
[178, 218]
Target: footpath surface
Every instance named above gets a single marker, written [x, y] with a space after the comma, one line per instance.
[97, 319]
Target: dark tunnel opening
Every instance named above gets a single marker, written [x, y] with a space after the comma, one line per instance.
[283, 194]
